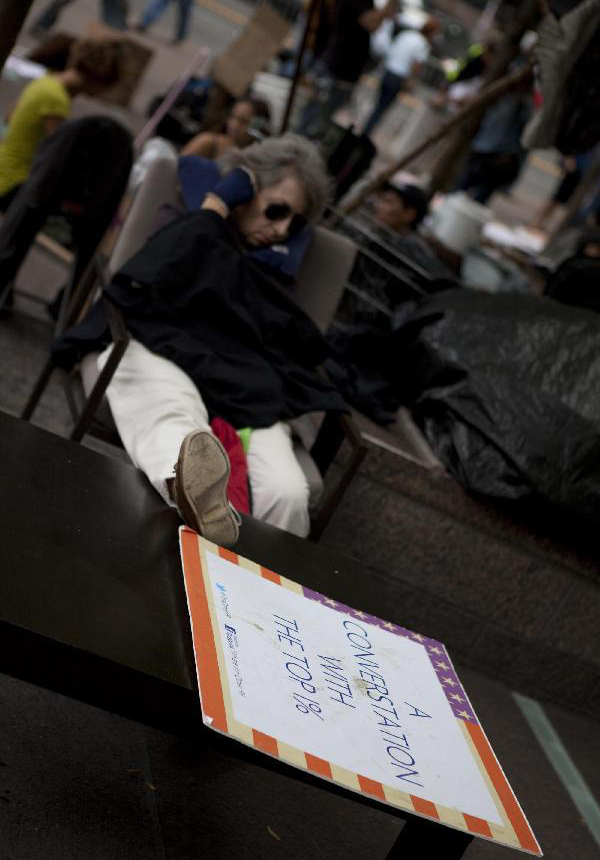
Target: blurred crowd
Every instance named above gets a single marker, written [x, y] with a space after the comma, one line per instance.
[242, 216]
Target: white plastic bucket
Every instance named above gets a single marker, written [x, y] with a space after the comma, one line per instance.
[458, 221]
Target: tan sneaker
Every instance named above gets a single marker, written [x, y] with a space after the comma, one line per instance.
[200, 488]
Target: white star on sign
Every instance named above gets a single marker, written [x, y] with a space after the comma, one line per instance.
[418, 637]
[464, 714]
[331, 602]
[359, 613]
[389, 625]
[435, 650]
[443, 666]
[457, 697]
[449, 681]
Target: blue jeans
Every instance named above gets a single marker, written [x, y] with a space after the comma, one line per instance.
[389, 88]
[114, 13]
[156, 8]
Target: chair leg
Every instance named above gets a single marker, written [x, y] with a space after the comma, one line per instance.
[76, 294]
[38, 390]
[335, 496]
[98, 391]
[334, 430]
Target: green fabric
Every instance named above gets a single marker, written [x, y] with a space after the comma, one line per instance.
[244, 435]
[42, 98]
[473, 51]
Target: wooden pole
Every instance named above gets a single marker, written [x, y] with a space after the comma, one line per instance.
[12, 18]
[480, 101]
[310, 18]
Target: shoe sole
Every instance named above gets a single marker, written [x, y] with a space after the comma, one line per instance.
[201, 477]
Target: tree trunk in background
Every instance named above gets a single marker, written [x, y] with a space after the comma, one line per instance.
[526, 17]
[12, 17]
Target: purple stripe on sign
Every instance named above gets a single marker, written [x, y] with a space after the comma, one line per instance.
[373, 619]
[440, 661]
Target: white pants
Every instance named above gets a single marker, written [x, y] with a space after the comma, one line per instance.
[155, 405]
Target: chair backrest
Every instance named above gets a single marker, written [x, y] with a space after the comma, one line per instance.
[323, 274]
[159, 188]
[86, 163]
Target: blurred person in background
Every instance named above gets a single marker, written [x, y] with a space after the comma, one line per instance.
[343, 60]
[391, 221]
[402, 63]
[575, 167]
[249, 119]
[113, 13]
[45, 103]
[155, 9]
[496, 155]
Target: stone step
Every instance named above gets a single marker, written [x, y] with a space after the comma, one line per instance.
[511, 593]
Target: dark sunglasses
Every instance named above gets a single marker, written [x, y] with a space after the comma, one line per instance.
[281, 211]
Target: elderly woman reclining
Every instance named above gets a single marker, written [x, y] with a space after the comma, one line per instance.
[214, 335]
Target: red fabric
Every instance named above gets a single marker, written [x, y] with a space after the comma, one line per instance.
[237, 488]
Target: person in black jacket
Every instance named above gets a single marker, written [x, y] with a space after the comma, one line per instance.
[343, 60]
[214, 335]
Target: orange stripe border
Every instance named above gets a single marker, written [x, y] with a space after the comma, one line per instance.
[207, 664]
[519, 823]
[478, 826]
[265, 743]
[424, 807]
[372, 787]
[318, 765]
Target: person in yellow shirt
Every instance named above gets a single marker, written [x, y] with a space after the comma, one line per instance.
[46, 102]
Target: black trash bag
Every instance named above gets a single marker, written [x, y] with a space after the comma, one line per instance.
[358, 368]
[364, 365]
[506, 389]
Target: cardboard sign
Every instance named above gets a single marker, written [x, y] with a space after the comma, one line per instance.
[258, 42]
[329, 689]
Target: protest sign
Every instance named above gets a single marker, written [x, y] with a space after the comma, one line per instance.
[258, 43]
[359, 701]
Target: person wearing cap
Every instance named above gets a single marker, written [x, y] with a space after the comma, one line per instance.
[392, 222]
[403, 61]
[400, 206]
[398, 211]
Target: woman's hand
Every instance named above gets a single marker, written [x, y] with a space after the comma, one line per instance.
[234, 189]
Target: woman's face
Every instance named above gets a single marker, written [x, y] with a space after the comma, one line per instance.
[238, 122]
[255, 227]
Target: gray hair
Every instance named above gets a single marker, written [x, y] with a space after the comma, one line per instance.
[274, 158]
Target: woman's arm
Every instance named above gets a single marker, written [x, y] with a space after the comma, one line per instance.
[235, 189]
[204, 144]
[212, 203]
